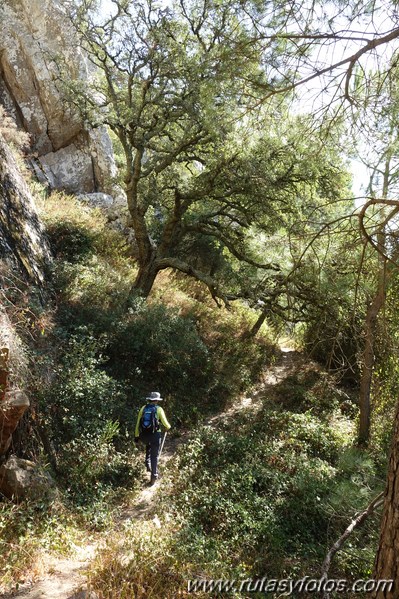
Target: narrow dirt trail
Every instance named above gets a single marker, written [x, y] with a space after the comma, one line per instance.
[65, 577]
[143, 507]
[288, 363]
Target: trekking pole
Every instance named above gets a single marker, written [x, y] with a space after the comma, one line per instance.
[163, 443]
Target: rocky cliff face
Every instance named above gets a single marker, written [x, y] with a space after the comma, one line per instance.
[22, 242]
[67, 155]
[24, 256]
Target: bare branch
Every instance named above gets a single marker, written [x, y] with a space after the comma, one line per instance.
[349, 60]
[377, 501]
[366, 235]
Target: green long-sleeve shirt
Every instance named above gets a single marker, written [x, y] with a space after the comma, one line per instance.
[160, 415]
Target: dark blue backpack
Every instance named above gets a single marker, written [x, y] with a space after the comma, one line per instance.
[149, 422]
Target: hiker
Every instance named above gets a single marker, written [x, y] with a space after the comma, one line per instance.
[148, 430]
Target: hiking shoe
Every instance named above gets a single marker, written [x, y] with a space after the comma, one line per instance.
[153, 480]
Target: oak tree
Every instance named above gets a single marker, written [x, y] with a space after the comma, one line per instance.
[206, 159]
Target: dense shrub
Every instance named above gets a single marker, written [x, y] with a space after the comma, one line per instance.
[83, 412]
[264, 494]
[93, 270]
[158, 349]
[101, 358]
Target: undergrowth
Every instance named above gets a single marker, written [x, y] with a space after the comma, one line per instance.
[28, 530]
[94, 359]
[263, 495]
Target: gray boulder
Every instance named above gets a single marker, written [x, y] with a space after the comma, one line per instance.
[97, 200]
[20, 479]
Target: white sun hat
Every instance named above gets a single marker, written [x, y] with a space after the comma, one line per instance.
[154, 396]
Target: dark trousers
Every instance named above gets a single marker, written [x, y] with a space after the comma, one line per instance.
[152, 446]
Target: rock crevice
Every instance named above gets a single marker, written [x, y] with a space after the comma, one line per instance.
[22, 241]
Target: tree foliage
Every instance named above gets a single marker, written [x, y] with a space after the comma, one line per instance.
[207, 162]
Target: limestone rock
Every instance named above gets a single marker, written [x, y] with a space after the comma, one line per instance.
[69, 168]
[97, 200]
[20, 479]
[11, 411]
[32, 34]
[22, 240]
[13, 403]
[15, 367]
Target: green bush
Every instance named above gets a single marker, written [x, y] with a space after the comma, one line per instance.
[264, 494]
[93, 270]
[84, 414]
[83, 397]
[71, 241]
[156, 348]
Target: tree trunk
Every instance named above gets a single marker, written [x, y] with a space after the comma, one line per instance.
[144, 281]
[257, 326]
[387, 558]
[368, 363]
[371, 327]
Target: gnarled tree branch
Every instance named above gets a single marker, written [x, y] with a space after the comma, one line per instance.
[357, 521]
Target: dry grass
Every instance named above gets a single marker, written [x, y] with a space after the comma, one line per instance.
[9, 130]
[140, 563]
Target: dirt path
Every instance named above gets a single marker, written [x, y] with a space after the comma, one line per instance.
[143, 507]
[64, 578]
[286, 365]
